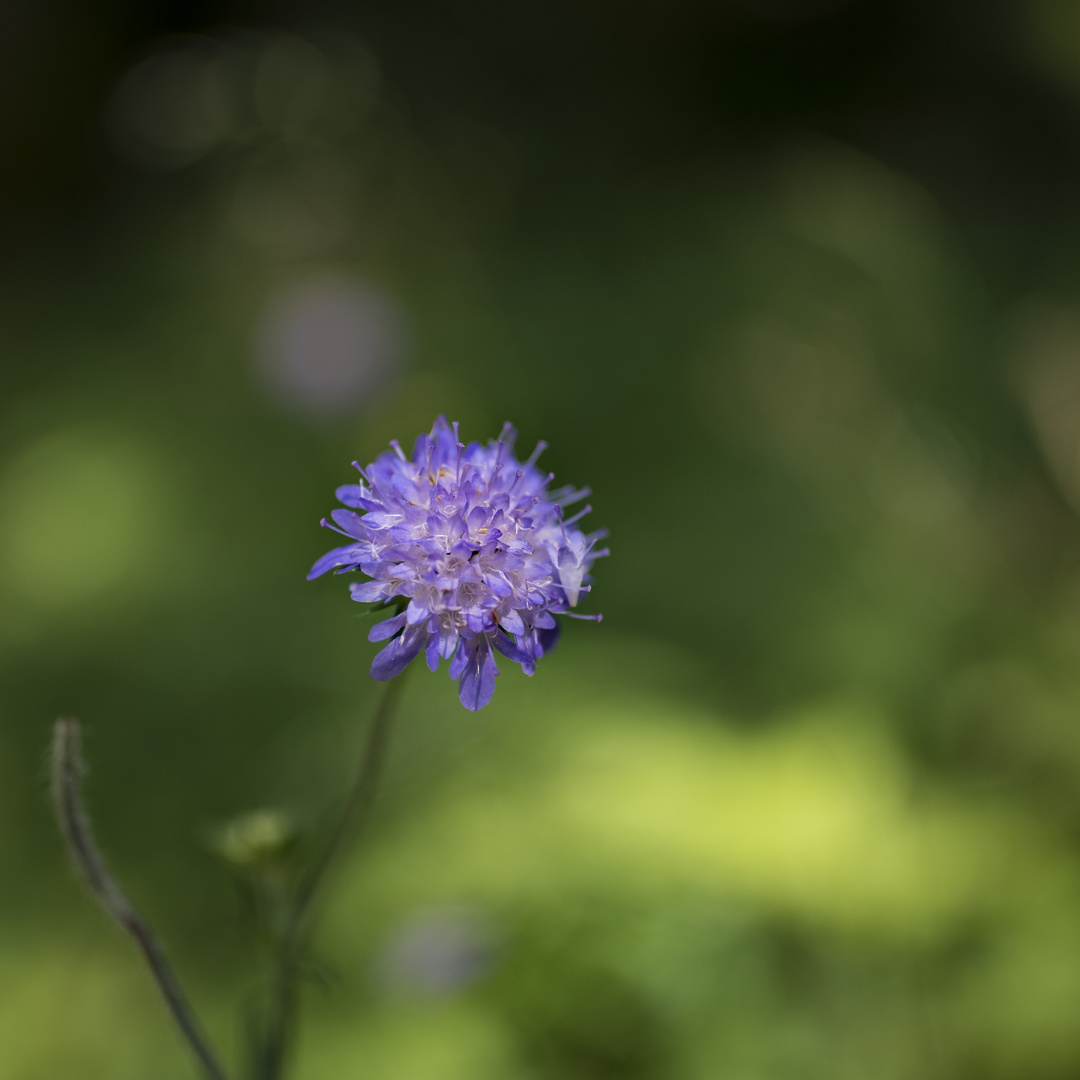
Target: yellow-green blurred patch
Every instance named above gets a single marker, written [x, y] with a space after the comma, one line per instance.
[79, 516]
[816, 817]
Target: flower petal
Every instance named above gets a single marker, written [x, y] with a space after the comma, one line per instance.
[416, 613]
[353, 495]
[350, 555]
[448, 640]
[396, 657]
[460, 660]
[350, 523]
[548, 638]
[509, 649]
[478, 680]
[369, 592]
[433, 652]
[387, 628]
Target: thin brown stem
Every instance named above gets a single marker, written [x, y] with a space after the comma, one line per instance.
[67, 769]
[294, 938]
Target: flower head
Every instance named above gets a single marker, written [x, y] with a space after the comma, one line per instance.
[470, 549]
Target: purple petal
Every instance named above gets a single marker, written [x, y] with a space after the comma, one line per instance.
[529, 666]
[548, 638]
[460, 660]
[396, 657]
[448, 640]
[368, 592]
[388, 628]
[416, 613]
[382, 519]
[509, 649]
[478, 680]
[350, 555]
[445, 442]
[352, 495]
[420, 449]
[506, 561]
[498, 585]
[433, 652]
[349, 522]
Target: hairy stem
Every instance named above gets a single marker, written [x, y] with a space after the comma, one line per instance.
[358, 801]
[67, 769]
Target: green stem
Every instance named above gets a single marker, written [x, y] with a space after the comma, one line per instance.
[294, 938]
[67, 771]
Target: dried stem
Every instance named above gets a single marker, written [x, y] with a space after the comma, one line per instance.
[67, 771]
[294, 938]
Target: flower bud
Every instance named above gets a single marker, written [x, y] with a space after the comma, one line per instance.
[256, 839]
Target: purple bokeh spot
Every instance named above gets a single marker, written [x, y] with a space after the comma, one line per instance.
[329, 344]
[437, 952]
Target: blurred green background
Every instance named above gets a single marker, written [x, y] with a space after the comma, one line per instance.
[794, 286]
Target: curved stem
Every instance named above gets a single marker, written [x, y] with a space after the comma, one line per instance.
[298, 927]
[67, 770]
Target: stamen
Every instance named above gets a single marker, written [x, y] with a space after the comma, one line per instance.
[565, 588]
[577, 615]
[578, 516]
[498, 463]
[567, 496]
[541, 446]
[330, 525]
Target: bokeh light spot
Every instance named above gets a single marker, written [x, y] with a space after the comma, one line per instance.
[176, 106]
[74, 510]
[328, 343]
[437, 951]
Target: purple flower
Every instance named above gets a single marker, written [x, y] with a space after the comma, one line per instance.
[470, 550]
